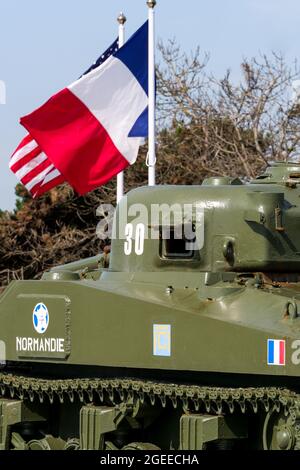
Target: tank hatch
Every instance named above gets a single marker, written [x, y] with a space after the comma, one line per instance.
[221, 181]
[280, 173]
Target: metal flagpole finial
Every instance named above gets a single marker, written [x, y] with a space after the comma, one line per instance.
[121, 18]
[151, 3]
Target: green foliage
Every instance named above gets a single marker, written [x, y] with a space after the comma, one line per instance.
[23, 196]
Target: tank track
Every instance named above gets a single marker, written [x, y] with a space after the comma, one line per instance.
[216, 400]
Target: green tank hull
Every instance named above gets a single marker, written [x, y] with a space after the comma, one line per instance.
[166, 346]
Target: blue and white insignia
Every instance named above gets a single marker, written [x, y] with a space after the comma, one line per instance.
[40, 318]
[162, 340]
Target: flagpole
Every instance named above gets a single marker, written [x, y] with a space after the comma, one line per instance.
[120, 177]
[151, 86]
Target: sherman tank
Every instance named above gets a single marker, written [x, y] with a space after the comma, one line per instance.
[185, 336]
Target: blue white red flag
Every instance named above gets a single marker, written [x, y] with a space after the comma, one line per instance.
[111, 50]
[91, 130]
[31, 165]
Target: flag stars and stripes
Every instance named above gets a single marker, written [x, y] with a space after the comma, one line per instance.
[33, 168]
[111, 50]
[86, 129]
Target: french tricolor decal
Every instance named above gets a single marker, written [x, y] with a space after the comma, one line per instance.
[276, 352]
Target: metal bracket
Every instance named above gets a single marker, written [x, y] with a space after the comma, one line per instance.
[96, 421]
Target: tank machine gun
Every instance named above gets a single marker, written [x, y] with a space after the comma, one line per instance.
[184, 343]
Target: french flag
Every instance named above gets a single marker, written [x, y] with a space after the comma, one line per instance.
[276, 352]
[92, 130]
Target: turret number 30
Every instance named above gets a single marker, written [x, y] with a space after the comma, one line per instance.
[134, 237]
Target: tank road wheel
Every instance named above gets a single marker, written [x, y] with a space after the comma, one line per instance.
[140, 446]
[278, 432]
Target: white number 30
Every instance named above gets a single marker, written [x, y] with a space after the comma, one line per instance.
[138, 239]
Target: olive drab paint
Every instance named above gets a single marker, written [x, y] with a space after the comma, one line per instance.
[224, 312]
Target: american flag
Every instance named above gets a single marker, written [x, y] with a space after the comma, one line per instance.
[31, 165]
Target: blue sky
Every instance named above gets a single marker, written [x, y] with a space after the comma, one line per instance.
[45, 45]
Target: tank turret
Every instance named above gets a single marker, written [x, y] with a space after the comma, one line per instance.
[241, 227]
[286, 173]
